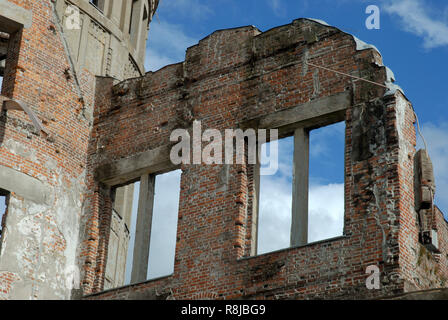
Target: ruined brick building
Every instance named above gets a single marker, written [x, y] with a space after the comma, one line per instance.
[81, 122]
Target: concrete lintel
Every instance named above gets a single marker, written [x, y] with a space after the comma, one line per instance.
[316, 113]
[143, 229]
[124, 170]
[12, 17]
[24, 185]
[299, 224]
[106, 23]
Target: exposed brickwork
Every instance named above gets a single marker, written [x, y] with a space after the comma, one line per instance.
[37, 77]
[36, 74]
[238, 75]
[231, 78]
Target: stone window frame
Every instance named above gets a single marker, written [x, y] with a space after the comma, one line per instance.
[137, 25]
[298, 122]
[132, 19]
[143, 167]
[119, 222]
[100, 5]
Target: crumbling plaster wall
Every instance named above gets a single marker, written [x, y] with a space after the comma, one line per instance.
[239, 78]
[45, 173]
[58, 217]
[51, 66]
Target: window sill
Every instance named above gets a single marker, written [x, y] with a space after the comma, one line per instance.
[325, 241]
[128, 286]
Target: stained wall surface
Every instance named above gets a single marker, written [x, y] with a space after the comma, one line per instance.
[98, 135]
[242, 78]
[53, 70]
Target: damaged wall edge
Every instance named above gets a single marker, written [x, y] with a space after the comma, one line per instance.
[25, 186]
[11, 104]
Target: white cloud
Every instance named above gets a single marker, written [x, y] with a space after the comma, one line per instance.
[277, 7]
[156, 60]
[417, 18]
[326, 213]
[326, 200]
[436, 137]
[283, 154]
[167, 43]
[274, 223]
[169, 37]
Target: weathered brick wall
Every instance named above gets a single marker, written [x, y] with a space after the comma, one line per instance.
[420, 268]
[427, 269]
[40, 240]
[233, 77]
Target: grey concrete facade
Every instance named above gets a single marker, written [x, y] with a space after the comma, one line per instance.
[106, 41]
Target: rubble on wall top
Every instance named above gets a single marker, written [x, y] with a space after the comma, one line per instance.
[361, 45]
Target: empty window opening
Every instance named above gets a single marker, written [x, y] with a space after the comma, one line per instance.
[164, 225]
[4, 38]
[326, 182]
[3, 211]
[119, 237]
[99, 4]
[162, 229]
[303, 201]
[145, 14]
[274, 213]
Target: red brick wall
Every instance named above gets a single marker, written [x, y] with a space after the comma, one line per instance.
[241, 74]
[36, 70]
[230, 77]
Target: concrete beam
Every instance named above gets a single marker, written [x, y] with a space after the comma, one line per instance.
[313, 114]
[299, 225]
[13, 17]
[24, 185]
[143, 229]
[129, 169]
